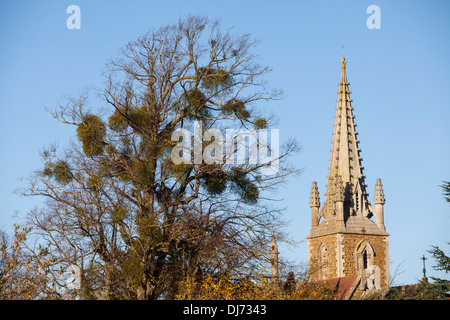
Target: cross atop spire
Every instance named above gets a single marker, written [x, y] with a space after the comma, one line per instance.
[424, 270]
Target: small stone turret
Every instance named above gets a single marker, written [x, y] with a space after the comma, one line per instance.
[274, 260]
[379, 204]
[314, 203]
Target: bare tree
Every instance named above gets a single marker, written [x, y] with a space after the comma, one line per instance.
[117, 204]
[22, 274]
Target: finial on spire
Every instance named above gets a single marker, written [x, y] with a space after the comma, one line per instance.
[379, 195]
[379, 203]
[343, 81]
[314, 200]
[343, 62]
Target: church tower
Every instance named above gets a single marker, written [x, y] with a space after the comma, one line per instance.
[344, 241]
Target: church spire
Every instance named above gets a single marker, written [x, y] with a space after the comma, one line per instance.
[344, 241]
[345, 160]
[346, 207]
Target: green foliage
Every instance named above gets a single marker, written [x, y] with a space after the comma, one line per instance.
[224, 287]
[117, 121]
[60, 171]
[91, 132]
[133, 270]
[250, 193]
[139, 116]
[110, 149]
[195, 99]
[215, 79]
[215, 183]
[143, 172]
[446, 190]
[422, 291]
[439, 289]
[443, 261]
[179, 170]
[119, 214]
[237, 108]
[247, 190]
[194, 102]
[260, 123]
[214, 180]
[122, 118]
[150, 235]
[149, 231]
[95, 182]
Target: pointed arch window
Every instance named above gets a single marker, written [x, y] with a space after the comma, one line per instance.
[365, 265]
[364, 257]
[323, 261]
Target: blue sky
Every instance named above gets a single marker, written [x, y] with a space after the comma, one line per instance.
[399, 77]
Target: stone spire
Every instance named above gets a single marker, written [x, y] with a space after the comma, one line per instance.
[273, 259]
[345, 160]
[346, 197]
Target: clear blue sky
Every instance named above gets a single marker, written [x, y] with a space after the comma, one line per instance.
[399, 77]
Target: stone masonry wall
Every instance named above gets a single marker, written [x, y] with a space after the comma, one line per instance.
[380, 247]
[349, 243]
[313, 246]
